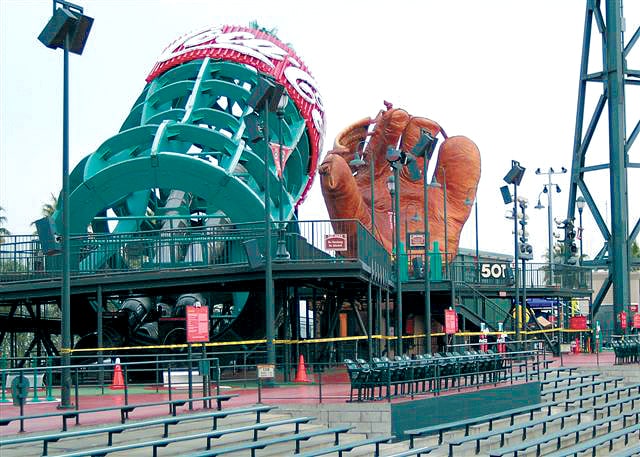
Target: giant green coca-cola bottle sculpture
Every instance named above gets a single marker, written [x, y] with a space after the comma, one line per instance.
[183, 150]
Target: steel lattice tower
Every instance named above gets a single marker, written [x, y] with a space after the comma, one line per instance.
[614, 78]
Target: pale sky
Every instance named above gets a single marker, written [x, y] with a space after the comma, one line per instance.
[502, 72]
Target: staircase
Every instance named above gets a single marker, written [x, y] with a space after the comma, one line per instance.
[486, 311]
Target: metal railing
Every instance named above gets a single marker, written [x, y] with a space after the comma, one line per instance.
[22, 257]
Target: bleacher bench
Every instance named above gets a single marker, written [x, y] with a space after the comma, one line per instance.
[124, 410]
[605, 393]
[116, 429]
[348, 447]
[466, 423]
[581, 386]
[627, 452]
[581, 376]
[620, 402]
[253, 446]
[416, 451]
[602, 439]
[209, 435]
[478, 437]
[539, 441]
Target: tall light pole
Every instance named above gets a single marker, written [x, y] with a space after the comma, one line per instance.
[446, 221]
[265, 98]
[393, 183]
[68, 29]
[424, 148]
[514, 176]
[547, 190]
[580, 203]
[526, 253]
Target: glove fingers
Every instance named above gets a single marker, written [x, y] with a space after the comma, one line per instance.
[350, 139]
[342, 195]
[389, 126]
[459, 166]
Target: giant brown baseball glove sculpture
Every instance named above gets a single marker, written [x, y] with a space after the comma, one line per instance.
[347, 191]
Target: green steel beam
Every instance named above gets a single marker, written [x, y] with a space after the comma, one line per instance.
[618, 246]
[613, 78]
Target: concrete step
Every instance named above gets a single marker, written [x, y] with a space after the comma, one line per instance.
[288, 448]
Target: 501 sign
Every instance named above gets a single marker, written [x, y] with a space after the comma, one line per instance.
[493, 270]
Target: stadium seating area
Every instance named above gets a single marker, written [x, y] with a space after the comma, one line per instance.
[382, 378]
[591, 415]
[627, 350]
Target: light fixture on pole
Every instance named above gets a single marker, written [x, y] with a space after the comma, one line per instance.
[446, 221]
[469, 202]
[580, 203]
[526, 253]
[514, 177]
[547, 190]
[424, 148]
[394, 157]
[358, 162]
[68, 29]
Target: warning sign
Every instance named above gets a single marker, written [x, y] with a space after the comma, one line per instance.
[336, 242]
[197, 324]
[450, 321]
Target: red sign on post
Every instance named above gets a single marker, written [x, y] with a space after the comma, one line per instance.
[623, 319]
[450, 321]
[197, 324]
[636, 320]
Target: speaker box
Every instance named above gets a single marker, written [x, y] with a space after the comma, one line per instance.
[255, 258]
[506, 195]
[47, 234]
[65, 23]
[60, 24]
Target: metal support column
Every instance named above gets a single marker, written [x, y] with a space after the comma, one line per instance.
[65, 306]
[613, 77]
[398, 302]
[100, 335]
[268, 273]
[618, 245]
[515, 261]
[369, 321]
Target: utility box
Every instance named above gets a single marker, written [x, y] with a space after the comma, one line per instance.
[19, 390]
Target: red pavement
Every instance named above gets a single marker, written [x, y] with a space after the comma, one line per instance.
[606, 358]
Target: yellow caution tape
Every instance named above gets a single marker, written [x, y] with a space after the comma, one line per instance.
[313, 341]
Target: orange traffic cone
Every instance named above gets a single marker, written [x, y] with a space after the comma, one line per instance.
[118, 380]
[301, 374]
